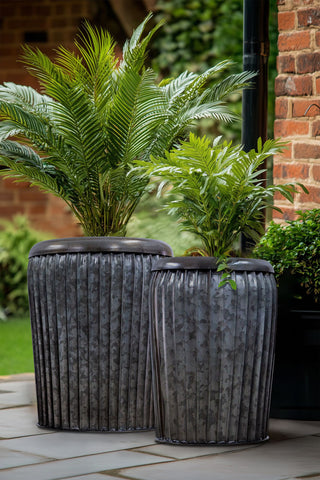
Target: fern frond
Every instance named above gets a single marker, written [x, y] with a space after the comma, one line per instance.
[221, 194]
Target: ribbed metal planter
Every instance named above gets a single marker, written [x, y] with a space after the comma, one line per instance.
[90, 326]
[212, 351]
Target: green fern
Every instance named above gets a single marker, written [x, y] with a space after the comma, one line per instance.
[95, 117]
[219, 188]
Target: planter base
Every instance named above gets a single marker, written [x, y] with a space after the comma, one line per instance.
[212, 443]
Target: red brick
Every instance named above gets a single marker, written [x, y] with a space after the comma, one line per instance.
[306, 150]
[298, 3]
[8, 211]
[309, 17]
[316, 172]
[286, 20]
[308, 62]
[300, 107]
[315, 128]
[287, 214]
[10, 184]
[277, 170]
[317, 85]
[8, 38]
[293, 41]
[278, 197]
[318, 38]
[37, 209]
[286, 153]
[288, 128]
[58, 22]
[8, 10]
[281, 109]
[6, 197]
[297, 171]
[61, 8]
[296, 85]
[286, 64]
[312, 197]
[31, 195]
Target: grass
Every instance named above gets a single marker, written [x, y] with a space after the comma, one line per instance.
[15, 346]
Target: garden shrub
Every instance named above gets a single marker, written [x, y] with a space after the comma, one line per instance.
[295, 249]
[16, 240]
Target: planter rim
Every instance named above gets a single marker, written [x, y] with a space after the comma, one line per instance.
[210, 263]
[101, 244]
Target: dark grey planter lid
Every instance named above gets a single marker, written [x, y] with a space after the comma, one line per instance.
[101, 244]
[210, 263]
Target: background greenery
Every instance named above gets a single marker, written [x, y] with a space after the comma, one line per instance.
[294, 249]
[15, 346]
[200, 33]
[16, 240]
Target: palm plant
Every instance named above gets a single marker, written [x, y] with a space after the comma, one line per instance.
[220, 192]
[95, 116]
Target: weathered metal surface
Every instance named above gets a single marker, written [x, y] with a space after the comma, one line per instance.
[89, 314]
[213, 355]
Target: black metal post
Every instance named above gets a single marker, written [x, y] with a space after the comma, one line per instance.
[255, 58]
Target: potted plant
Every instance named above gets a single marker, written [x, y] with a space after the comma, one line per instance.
[78, 138]
[213, 316]
[294, 251]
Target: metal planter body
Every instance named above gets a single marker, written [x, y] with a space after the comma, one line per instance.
[89, 315]
[212, 351]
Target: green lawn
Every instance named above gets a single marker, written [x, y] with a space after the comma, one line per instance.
[15, 346]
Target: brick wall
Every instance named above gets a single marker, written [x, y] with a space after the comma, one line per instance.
[45, 23]
[297, 87]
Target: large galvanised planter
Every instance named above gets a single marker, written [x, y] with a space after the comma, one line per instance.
[90, 327]
[212, 350]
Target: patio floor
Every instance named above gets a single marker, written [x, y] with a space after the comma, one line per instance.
[30, 453]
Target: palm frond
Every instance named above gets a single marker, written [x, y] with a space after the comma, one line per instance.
[96, 116]
[21, 172]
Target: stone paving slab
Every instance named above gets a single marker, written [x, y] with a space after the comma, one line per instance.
[273, 461]
[61, 469]
[18, 393]
[10, 458]
[30, 453]
[94, 476]
[183, 452]
[19, 422]
[280, 429]
[61, 445]
[18, 377]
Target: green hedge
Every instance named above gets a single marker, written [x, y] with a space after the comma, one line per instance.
[16, 240]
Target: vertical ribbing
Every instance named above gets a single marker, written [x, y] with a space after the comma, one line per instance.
[212, 351]
[90, 324]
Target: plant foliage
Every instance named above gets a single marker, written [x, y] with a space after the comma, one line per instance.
[16, 240]
[199, 33]
[221, 190]
[97, 115]
[295, 248]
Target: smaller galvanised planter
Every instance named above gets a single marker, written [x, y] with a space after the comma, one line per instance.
[90, 330]
[212, 350]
